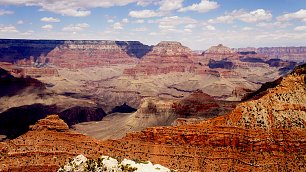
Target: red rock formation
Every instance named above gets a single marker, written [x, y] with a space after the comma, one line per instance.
[48, 145]
[297, 54]
[267, 134]
[165, 57]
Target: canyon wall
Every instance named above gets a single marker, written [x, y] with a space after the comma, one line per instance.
[297, 54]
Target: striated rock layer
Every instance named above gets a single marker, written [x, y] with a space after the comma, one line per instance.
[45, 147]
[267, 134]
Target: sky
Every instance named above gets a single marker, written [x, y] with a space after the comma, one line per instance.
[197, 24]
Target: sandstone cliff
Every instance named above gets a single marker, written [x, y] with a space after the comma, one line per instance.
[267, 134]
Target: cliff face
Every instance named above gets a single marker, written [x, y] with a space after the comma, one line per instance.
[165, 57]
[297, 54]
[45, 147]
[70, 54]
[267, 134]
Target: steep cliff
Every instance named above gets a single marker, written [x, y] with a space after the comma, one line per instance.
[267, 134]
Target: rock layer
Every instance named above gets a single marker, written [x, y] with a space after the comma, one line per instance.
[267, 134]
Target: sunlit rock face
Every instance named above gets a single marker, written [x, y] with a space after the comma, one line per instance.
[255, 136]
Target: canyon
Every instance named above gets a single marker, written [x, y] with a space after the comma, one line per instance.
[266, 133]
[220, 109]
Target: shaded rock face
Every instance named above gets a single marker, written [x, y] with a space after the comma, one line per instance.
[123, 109]
[201, 105]
[16, 121]
[79, 114]
[134, 48]
[225, 64]
[255, 136]
[10, 85]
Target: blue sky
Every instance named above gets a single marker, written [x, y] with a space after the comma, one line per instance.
[198, 24]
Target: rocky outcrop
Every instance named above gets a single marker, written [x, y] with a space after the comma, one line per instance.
[47, 146]
[267, 134]
[16, 121]
[261, 135]
[51, 122]
[165, 57]
[219, 49]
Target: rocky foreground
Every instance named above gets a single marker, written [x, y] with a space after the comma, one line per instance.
[264, 134]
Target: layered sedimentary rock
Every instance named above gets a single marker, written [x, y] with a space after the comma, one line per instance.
[48, 145]
[267, 134]
[297, 54]
[70, 54]
[165, 57]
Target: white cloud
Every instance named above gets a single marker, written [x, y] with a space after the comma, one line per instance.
[77, 8]
[145, 2]
[299, 15]
[5, 12]
[247, 28]
[110, 21]
[8, 29]
[170, 23]
[141, 29]
[140, 21]
[169, 5]
[190, 26]
[50, 19]
[188, 30]
[202, 7]
[210, 28]
[271, 25]
[20, 22]
[300, 28]
[47, 27]
[143, 14]
[75, 27]
[125, 20]
[118, 26]
[258, 15]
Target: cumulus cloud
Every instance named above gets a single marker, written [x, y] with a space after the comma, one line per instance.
[77, 8]
[5, 12]
[299, 15]
[75, 27]
[125, 20]
[169, 5]
[50, 19]
[8, 29]
[247, 28]
[47, 27]
[118, 26]
[202, 7]
[300, 28]
[20, 22]
[258, 15]
[210, 28]
[141, 29]
[143, 14]
[139, 21]
[170, 23]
